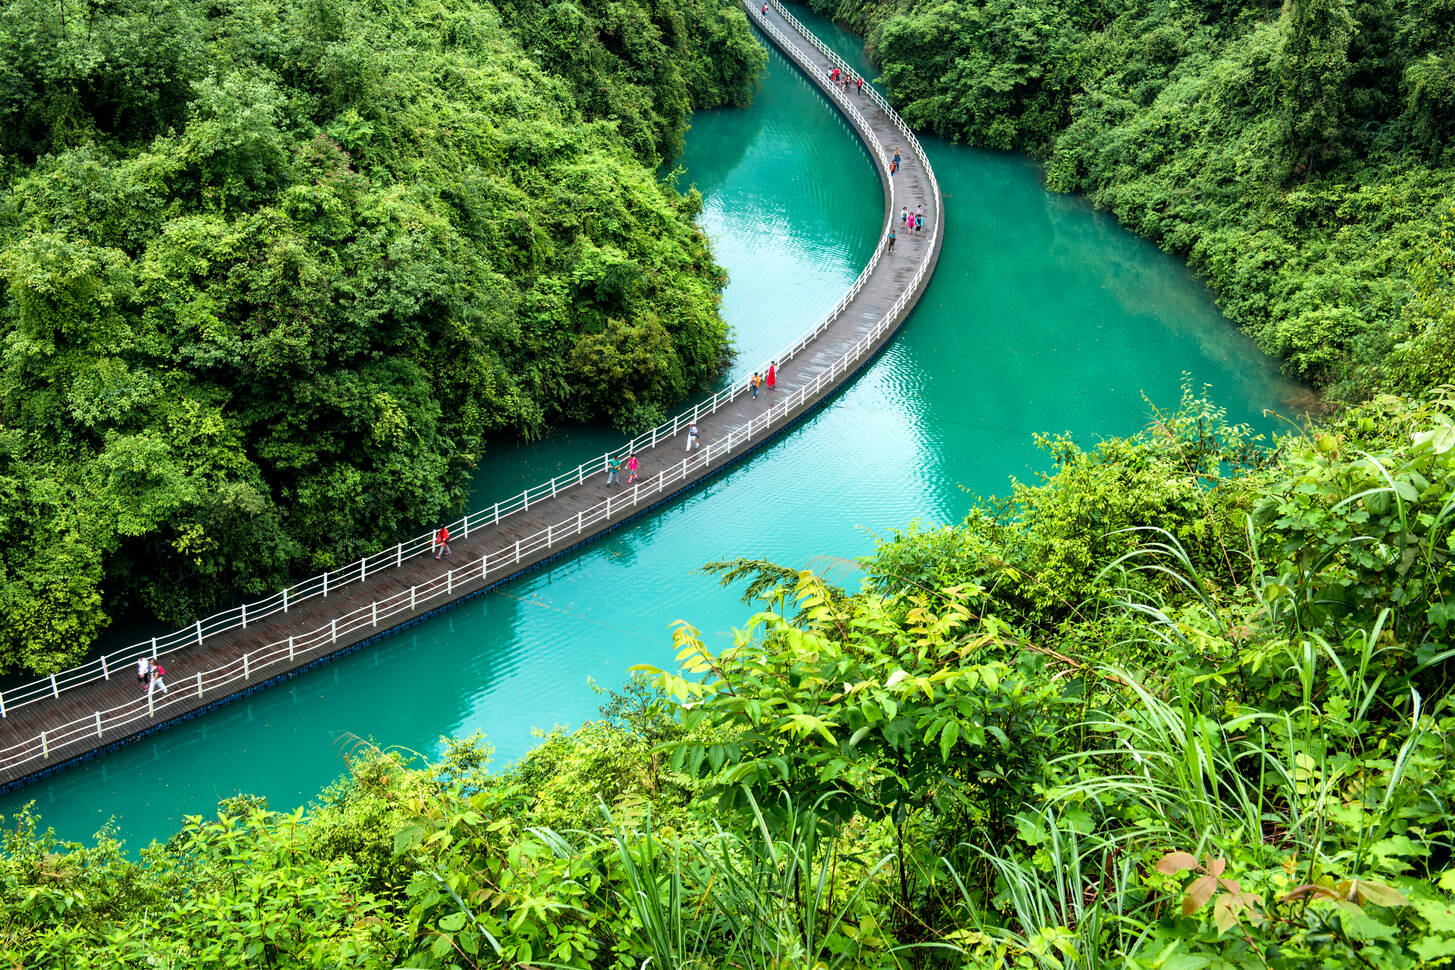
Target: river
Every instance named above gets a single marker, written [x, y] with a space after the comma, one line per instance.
[1043, 315]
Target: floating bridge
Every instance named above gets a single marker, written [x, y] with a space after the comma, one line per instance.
[68, 717]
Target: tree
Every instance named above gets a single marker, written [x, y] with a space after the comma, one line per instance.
[1312, 67]
[881, 708]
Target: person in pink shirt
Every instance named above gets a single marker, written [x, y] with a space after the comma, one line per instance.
[772, 379]
[631, 467]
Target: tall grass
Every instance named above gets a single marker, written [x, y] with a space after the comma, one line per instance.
[771, 898]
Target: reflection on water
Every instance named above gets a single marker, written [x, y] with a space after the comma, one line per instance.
[1042, 316]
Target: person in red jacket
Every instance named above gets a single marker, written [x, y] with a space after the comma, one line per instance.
[442, 542]
[156, 681]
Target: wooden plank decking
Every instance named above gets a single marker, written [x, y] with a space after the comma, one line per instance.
[93, 718]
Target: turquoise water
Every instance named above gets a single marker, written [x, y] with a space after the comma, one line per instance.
[1042, 316]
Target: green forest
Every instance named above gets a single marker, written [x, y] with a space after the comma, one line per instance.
[1299, 155]
[1181, 703]
[272, 271]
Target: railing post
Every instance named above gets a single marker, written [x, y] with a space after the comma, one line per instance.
[151, 702]
[199, 638]
[465, 529]
[325, 584]
[199, 681]
[290, 650]
[553, 488]
[398, 556]
[580, 474]
[449, 582]
[411, 599]
[2, 704]
[374, 613]
[333, 630]
[98, 724]
[105, 674]
[45, 748]
[363, 570]
[496, 519]
[636, 493]
[525, 500]
[55, 691]
[549, 527]
[580, 522]
[245, 616]
[246, 672]
[654, 437]
[154, 639]
[517, 551]
[285, 599]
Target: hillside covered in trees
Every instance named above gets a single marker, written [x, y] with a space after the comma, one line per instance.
[1181, 704]
[271, 271]
[1300, 155]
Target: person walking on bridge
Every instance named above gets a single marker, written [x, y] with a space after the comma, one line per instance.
[889, 242]
[143, 672]
[894, 162]
[613, 470]
[756, 380]
[157, 674]
[442, 542]
[772, 379]
[631, 467]
[692, 439]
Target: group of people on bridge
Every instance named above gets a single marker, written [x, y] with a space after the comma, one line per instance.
[910, 223]
[841, 80]
[149, 674]
[614, 466]
[614, 463]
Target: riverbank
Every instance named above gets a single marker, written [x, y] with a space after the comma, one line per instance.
[1298, 158]
[1048, 316]
[1133, 695]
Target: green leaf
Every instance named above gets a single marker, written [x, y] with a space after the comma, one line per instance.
[407, 838]
[948, 737]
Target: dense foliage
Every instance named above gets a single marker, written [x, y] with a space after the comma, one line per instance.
[273, 270]
[1183, 705]
[1300, 155]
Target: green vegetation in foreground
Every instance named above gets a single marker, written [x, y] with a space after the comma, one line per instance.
[1183, 704]
[1300, 156]
[274, 269]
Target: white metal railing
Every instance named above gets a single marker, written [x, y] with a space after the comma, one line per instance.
[502, 561]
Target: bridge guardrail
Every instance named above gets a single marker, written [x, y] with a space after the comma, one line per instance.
[498, 563]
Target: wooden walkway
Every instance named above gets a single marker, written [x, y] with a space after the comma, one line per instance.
[92, 718]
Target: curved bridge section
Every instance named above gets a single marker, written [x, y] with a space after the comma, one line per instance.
[77, 714]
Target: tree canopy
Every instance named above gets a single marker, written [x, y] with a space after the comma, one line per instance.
[1300, 155]
[272, 271]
